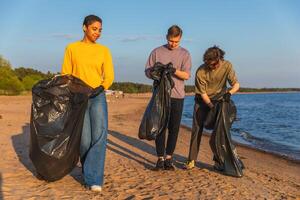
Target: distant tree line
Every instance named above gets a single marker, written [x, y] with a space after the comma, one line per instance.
[269, 90]
[19, 80]
[129, 87]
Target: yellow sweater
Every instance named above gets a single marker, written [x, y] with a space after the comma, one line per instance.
[92, 63]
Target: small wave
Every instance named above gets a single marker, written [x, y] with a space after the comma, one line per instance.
[247, 136]
[270, 146]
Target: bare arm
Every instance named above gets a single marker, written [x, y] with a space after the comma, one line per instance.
[147, 73]
[234, 88]
[205, 98]
[182, 74]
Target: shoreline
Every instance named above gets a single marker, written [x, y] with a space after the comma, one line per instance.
[147, 94]
[278, 155]
[271, 92]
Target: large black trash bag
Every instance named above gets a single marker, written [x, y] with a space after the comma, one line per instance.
[57, 114]
[156, 116]
[220, 119]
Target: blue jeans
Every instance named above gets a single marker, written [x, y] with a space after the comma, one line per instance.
[93, 140]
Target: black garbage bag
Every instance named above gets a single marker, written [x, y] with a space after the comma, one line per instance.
[57, 114]
[211, 118]
[156, 116]
[220, 119]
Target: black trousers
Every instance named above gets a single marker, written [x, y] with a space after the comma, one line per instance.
[173, 129]
[199, 116]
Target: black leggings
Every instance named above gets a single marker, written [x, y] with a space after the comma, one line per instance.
[173, 129]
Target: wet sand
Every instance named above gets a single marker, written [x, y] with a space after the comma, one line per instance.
[129, 163]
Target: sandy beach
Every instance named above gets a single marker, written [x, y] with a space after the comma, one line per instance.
[129, 163]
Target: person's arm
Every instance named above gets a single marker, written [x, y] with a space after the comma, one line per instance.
[234, 88]
[147, 72]
[233, 81]
[201, 86]
[182, 74]
[185, 72]
[206, 99]
[108, 70]
[150, 63]
[67, 67]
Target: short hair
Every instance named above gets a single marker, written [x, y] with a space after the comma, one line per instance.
[88, 20]
[174, 31]
[213, 54]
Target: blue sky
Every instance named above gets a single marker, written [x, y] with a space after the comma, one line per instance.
[260, 37]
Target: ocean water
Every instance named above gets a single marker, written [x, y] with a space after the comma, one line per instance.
[270, 122]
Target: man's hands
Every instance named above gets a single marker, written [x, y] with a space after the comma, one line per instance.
[172, 70]
[227, 96]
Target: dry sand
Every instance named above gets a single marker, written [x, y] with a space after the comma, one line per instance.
[129, 161]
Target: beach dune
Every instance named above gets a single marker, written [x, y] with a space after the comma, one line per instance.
[129, 163]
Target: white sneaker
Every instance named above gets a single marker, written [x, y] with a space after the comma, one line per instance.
[96, 188]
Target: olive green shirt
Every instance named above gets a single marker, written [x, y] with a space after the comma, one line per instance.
[213, 82]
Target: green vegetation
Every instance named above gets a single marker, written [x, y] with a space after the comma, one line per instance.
[269, 90]
[9, 82]
[129, 87]
[189, 88]
[19, 80]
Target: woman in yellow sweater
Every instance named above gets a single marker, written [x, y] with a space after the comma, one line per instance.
[92, 63]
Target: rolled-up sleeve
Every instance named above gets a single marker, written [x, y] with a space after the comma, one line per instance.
[232, 78]
[150, 63]
[187, 63]
[200, 83]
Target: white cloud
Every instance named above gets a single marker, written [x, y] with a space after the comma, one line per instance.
[64, 36]
[53, 36]
[135, 38]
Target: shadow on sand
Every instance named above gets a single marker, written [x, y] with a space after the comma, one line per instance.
[21, 144]
[147, 148]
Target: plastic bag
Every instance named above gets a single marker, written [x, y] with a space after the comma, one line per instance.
[220, 118]
[156, 116]
[57, 114]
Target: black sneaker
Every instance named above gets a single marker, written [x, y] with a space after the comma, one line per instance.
[169, 165]
[159, 165]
